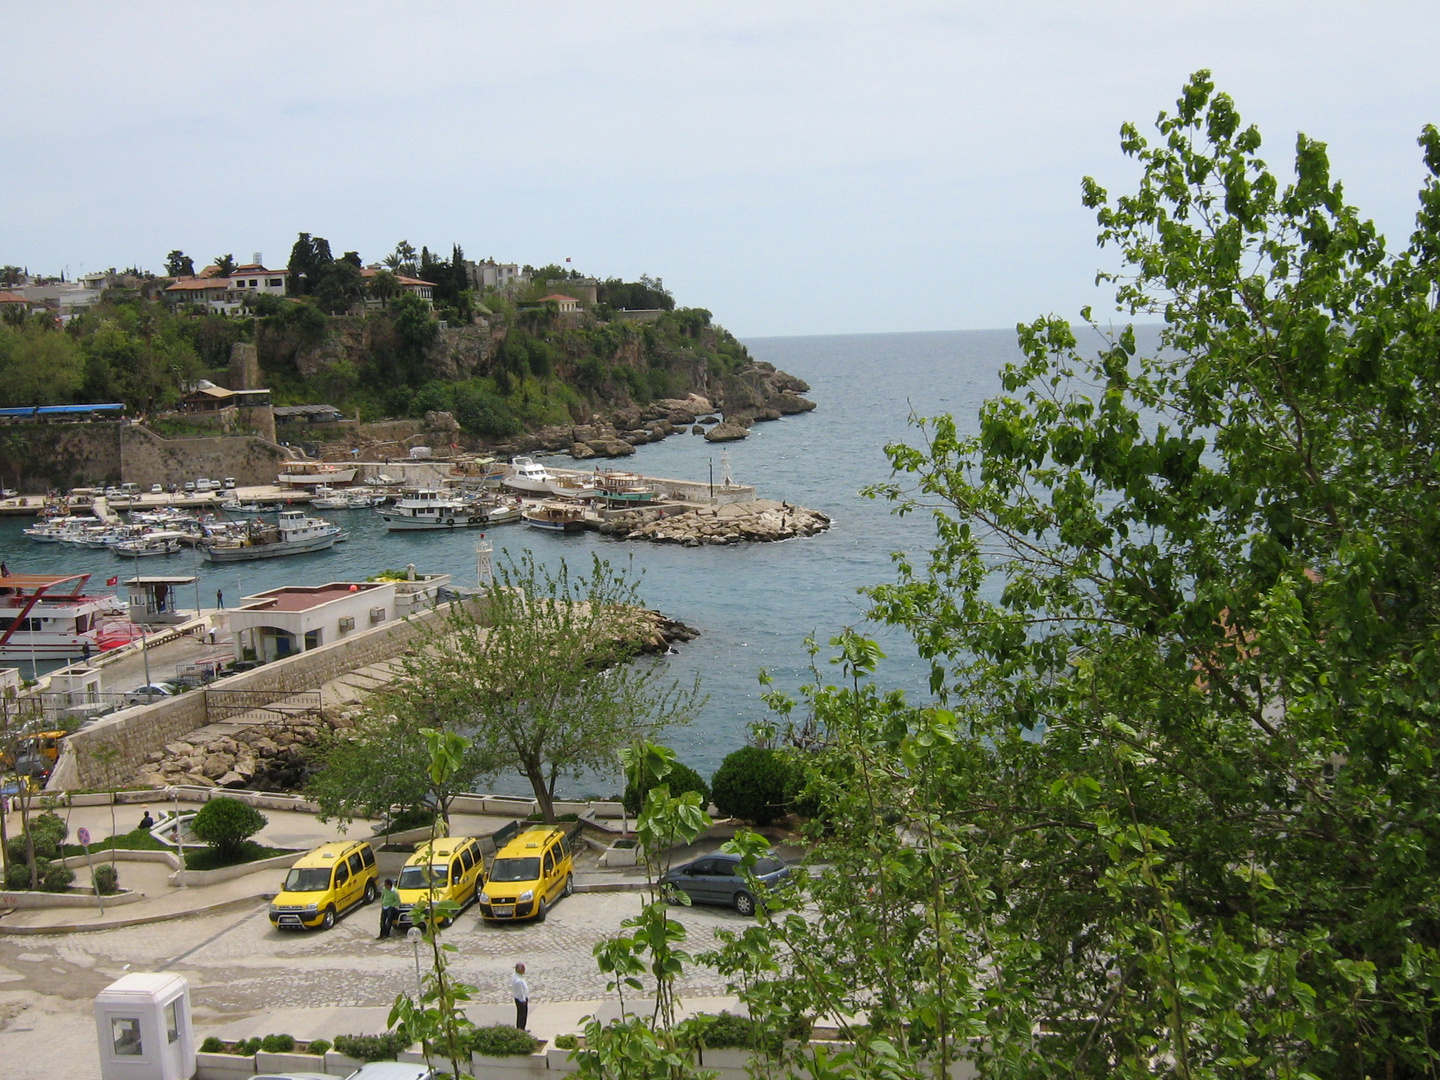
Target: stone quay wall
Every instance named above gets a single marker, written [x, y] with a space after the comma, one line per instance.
[110, 753]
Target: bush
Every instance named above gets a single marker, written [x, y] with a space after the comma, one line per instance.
[383, 1047]
[51, 825]
[106, 879]
[17, 875]
[225, 824]
[212, 1045]
[728, 1031]
[56, 877]
[247, 1047]
[753, 784]
[566, 1042]
[317, 1046]
[277, 1044]
[15, 850]
[502, 1041]
[681, 778]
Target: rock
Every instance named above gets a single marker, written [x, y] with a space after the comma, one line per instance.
[698, 429]
[217, 765]
[760, 520]
[580, 452]
[155, 756]
[179, 749]
[231, 780]
[709, 419]
[726, 432]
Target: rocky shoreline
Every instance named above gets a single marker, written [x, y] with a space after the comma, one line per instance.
[756, 521]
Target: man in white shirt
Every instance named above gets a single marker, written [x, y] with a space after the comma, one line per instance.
[520, 991]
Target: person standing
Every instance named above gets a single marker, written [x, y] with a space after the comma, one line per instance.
[389, 907]
[219, 598]
[520, 991]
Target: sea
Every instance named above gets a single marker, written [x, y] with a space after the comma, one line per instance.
[753, 605]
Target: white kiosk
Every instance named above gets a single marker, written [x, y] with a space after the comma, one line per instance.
[143, 1023]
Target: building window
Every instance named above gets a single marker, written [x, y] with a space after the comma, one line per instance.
[125, 1035]
[274, 282]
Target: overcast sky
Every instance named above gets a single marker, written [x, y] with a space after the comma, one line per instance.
[796, 168]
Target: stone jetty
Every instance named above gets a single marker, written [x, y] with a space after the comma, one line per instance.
[759, 520]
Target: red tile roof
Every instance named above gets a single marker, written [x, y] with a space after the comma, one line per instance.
[12, 298]
[198, 284]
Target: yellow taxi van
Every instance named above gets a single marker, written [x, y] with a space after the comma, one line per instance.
[324, 884]
[452, 868]
[528, 875]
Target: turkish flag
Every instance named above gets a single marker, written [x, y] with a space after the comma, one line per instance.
[112, 581]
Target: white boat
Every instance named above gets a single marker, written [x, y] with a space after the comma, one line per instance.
[49, 617]
[312, 474]
[574, 486]
[625, 487]
[155, 543]
[293, 534]
[528, 476]
[554, 517]
[327, 498]
[432, 509]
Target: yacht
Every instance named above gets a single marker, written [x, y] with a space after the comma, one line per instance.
[432, 509]
[48, 617]
[528, 476]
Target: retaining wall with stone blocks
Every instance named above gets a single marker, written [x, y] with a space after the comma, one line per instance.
[108, 754]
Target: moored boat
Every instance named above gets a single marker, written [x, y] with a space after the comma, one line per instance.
[526, 475]
[554, 517]
[49, 617]
[431, 509]
[293, 534]
[625, 487]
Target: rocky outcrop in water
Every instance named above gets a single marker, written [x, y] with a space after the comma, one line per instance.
[757, 521]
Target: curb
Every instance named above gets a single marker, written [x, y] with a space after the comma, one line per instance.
[139, 920]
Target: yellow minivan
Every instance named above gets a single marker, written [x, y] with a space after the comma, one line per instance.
[324, 884]
[452, 868]
[528, 874]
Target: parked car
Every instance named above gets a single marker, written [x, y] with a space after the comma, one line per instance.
[324, 884]
[143, 695]
[229, 482]
[454, 870]
[528, 874]
[718, 879]
[157, 489]
[189, 485]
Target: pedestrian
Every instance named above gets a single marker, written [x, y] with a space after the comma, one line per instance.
[219, 598]
[147, 822]
[520, 990]
[389, 907]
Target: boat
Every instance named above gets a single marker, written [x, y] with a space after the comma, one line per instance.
[528, 476]
[153, 543]
[311, 474]
[327, 498]
[554, 516]
[294, 533]
[574, 486]
[502, 514]
[235, 506]
[625, 487]
[432, 509]
[49, 617]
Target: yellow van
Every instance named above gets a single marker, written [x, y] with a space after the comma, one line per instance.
[453, 868]
[528, 874]
[324, 884]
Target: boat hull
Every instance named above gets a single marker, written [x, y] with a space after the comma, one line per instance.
[252, 552]
[404, 523]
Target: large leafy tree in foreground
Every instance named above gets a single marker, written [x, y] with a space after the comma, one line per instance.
[1181, 815]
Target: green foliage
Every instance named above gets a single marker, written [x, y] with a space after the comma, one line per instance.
[212, 1045]
[385, 1046]
[318, 1046]
[225, 824]
[500, 1040]
[646, 294]
[277, 1044]
[754, 784]
[680, 778]
[106, 879]
[248, 1047]
[38, 366]
[566, 1041]
[17, 874]
[482, 412]
[725, 1030]
[56, 877]
[49, 830]
[210, 858]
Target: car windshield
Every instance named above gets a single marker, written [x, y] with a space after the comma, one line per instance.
[413, 877]
[308, 879]
[515, 870]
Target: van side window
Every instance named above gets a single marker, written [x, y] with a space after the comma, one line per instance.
[342, 874]
[356, 865]
[456, 870]
[367, 855]
[468, 858]
[549, 862]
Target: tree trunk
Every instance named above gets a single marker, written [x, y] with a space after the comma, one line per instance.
[535, 773]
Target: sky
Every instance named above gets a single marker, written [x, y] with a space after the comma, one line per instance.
[796, 168]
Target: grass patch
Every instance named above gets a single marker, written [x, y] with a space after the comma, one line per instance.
[135, 840]
[208, 859]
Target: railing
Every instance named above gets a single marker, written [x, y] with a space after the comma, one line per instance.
[224, 704]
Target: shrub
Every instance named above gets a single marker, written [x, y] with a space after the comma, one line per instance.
[106, 879]
[56, 877]
[212, 1045]
[681, 778]
[753, 784]
[317, 1046]
[383, 1047]
[17, 875]
[225, 824]
[566, 1042]
[15, 850]
[502, 1041]
[277, 1044]
[50, 824]
[247, 1047]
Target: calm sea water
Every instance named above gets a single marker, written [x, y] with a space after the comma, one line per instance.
[753, 605]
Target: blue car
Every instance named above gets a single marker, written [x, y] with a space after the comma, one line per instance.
[719, 879]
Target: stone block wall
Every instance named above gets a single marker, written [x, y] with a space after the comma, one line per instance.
[145, 458]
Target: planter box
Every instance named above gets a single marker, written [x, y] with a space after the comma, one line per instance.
[28, 899]
[559, 1061]
[341, 1064]
[74, 862]
[223, 1066]
[620, 856]
[229, 873]
[509, 1068]
[288, 1062]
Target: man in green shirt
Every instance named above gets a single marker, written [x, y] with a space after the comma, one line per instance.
[389, 907]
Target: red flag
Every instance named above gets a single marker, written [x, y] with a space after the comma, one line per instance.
[112, 581]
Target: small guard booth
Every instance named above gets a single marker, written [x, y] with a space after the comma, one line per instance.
[143, 1023]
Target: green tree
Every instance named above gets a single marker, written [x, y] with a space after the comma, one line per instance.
[1181, 605]
[38, 366]
[178, 264]
[754, 784]
[225, 824]
[226, 264]
[384, 286]
[310, 258]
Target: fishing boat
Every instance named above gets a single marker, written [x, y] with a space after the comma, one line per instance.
[554, 517]
[327, 498]
[48, 617]
[575, 486]
[293, 534]
[528, 477]
[432, 509]
[625, 487]
[313, 474]
[152, 543]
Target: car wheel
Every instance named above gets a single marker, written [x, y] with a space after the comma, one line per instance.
[370, 893]
[744, 903]
[569, 884]
[542, 910]
[328, 920]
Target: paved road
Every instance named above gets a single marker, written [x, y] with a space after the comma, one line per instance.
[246, 977]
